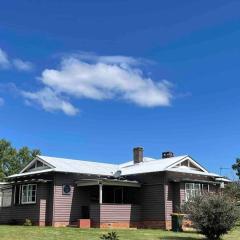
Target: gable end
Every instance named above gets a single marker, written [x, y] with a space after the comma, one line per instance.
[36, 164]
[188, 163]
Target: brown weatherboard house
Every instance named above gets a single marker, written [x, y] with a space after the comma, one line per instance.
[141, 193]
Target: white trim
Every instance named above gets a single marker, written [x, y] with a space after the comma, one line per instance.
[100, 193]
[30, 173]
[107, 182]
[33, 161]
[190, 171]
[28, 202]
[222, 179]
[189, 159]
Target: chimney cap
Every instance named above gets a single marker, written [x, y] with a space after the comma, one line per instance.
[139, 147]
[167, 154]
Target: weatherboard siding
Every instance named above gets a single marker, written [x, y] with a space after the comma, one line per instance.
[37, 213]
[152, 202]
[169, 201]
[67, 207]
[115, 215]
[120, 212]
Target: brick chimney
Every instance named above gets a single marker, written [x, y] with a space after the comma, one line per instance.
[167, 154]
[137, 155]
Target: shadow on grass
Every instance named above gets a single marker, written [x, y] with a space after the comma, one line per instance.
[178, 238]
[181, 237]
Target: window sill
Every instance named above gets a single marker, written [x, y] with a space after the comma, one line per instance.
[28, 203]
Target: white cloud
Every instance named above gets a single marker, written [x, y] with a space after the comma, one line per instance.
[50, 101]
[17, 63]
[1, 101]
[104, 77]
[22, 65]
[4, 62]
[117, 59]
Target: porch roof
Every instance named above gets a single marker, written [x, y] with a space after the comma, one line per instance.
[109, 182]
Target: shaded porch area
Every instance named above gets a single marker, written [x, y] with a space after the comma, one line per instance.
[112, 203]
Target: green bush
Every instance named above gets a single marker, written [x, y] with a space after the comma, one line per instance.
[213, 215]
[232, 190]
[110, 236]
[27, 222]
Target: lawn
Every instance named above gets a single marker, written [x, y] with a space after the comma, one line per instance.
[49, 233]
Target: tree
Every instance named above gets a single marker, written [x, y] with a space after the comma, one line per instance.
[232, 190]
[236, 167]
[213, 215]
[13, 160]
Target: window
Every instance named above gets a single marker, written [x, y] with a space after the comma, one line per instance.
[6, 197]
[192, 190]
[29, 193]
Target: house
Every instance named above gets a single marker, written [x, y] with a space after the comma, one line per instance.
[140, 193]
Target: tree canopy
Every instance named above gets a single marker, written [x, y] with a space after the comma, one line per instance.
[12, 160]
[236, 167]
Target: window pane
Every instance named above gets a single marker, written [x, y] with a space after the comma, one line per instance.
[6, 197]
[29, 193]
[192, 190]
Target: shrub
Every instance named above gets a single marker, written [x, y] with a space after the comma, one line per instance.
[212, 214]
[110, 236]
[27, 222]
[232, 190]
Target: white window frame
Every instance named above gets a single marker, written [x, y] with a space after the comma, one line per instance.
[192, 190]
[28, 186]
[9, 204]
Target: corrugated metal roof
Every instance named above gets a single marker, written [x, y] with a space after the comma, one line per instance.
[80, 166]
[149, 165]
[105, 169]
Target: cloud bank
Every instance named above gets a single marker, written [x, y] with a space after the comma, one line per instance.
[99, 78]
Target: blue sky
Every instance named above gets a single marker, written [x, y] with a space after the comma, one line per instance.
[93, 79]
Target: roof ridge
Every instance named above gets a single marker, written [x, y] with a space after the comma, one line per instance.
[80, 160]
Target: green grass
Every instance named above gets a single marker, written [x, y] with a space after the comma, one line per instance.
[49, 233]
